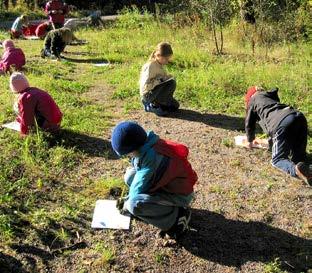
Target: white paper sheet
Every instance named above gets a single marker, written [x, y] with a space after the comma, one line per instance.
[106, 215]
[242, 141]
[32, 37]
[101, 64]
[14, 125]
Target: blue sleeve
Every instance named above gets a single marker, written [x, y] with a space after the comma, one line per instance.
[143, 177]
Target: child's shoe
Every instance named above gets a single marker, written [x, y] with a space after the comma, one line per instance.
[174, 106]
[180, 226]
[304, 172]
[150, 107]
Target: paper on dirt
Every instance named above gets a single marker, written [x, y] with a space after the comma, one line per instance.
[107, 216]
[242, 141]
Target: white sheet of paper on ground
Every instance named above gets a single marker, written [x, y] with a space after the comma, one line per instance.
[101, 64]
[32, 37]
[106, 215]
[14, 125]
[242, 141]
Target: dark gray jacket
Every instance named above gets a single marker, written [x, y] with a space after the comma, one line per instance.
[265, 108]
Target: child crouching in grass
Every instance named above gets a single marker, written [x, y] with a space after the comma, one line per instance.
[160, 180]
[56, 41]
[18, 25]
[12, 56]
[34, 106]
[156, 86]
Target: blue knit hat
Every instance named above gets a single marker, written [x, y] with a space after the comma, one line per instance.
[127, 137]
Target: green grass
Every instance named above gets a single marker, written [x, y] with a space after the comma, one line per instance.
[39, 181]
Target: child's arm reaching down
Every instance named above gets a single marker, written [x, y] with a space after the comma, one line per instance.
[141, 182]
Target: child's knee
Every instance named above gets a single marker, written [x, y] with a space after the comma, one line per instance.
[129, 175]
[133, 206]
[173, 84]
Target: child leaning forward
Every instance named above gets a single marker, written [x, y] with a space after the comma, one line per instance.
[34, 106]
[287, 128]
[156, 86]
[160, 179]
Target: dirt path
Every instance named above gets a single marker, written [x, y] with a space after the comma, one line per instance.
[245, 213]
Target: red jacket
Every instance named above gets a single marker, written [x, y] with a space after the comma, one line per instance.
[34, 102]
[12, 56]
[60, 9]
[42, 30]
[179, 176]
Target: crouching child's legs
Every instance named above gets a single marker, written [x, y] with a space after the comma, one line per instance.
[284, 143]
[163, 210]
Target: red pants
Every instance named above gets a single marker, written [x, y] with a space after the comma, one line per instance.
[15, 34]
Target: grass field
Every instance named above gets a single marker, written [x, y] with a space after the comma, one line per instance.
[49, 184]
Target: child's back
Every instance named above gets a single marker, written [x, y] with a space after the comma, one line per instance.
[12, 56]
[161, 179]
[34, 106]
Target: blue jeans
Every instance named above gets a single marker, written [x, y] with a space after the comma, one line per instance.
[290, 139]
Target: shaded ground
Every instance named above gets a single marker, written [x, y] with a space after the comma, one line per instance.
[245, 215]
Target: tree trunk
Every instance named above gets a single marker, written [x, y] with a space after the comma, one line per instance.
[214, 32]
[222, 40]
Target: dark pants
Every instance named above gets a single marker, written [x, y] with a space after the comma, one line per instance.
[47, 52]
[290, 139]
[58, 25]
[162, 95]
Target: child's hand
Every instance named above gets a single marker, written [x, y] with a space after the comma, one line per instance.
[120, 205]
[249, 145]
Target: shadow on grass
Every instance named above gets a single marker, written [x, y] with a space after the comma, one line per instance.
[214, 120]
[9, 264]
[92, 146]
[51, 244]
[90, 61]
[233, 242]
[81, 53]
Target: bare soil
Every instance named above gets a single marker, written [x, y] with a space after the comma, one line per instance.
[245, 214]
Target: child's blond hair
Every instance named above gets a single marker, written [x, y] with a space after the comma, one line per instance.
[164, 49]
[67, 35]
[24, 18]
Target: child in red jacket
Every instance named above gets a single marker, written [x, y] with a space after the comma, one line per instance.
[56, 10]
[11, 56]
[160, 180]
[34, 106]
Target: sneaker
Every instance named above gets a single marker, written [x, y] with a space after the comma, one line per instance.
[304, 172]
[147, 107]
[150, 107]
[181, 225]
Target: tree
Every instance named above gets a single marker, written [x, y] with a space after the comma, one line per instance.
[218, 14]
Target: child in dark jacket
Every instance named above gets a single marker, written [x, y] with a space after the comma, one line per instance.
[160, 180]
[34, 106]
[56, 41]
[12, 56]
[286, 127]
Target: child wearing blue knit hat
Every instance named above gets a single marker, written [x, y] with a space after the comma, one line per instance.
[160, 179]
